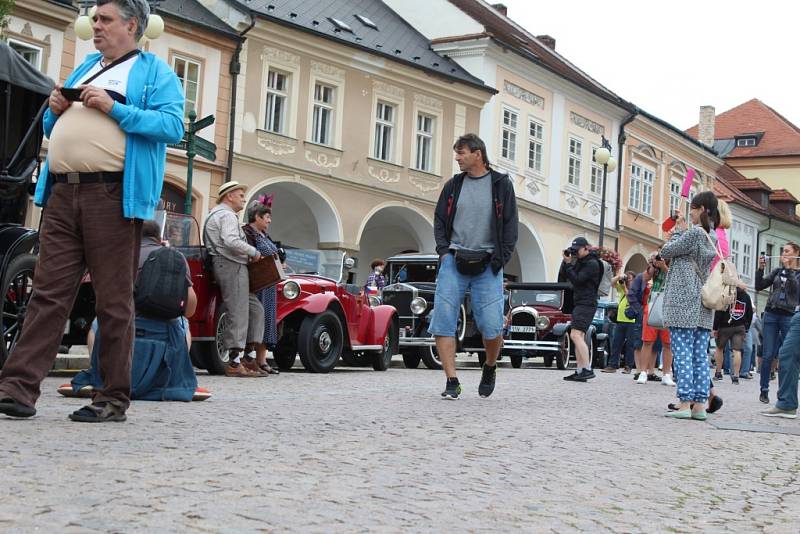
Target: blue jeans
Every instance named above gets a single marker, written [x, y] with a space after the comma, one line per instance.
[747, 354]
[789, 362]
[624, 334]
[486, 293]
[690, 361]
[775, 327]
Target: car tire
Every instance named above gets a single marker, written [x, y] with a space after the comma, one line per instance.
[411, 359]
[211, 355]
[564, 352]
[320, 342]
[383, 359]
[20, 272]
[516, 361]
[430, 358]
[548, 360]
[285, 352]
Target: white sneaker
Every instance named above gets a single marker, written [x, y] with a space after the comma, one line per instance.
[666, 380]
[642, 378]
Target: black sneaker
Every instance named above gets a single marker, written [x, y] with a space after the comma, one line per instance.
[636, 376]
[452, 390]
[764, 397]
[714, 404]
[734, 379]
[718, 375]
[572, 377]
[653, 378]
[586, 374]
[486, 387]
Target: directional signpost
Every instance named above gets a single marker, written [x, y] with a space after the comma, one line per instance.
[195, 146]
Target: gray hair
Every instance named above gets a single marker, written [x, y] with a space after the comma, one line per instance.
[256, 209]
[128, 9]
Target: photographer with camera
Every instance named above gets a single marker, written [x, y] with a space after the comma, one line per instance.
[658, 269]
[584, 270]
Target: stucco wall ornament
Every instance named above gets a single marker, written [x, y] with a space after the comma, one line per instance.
[523, 94]
[532, 187]
[587, 124]
[321, 159]
[572, 202]
[328, 70]
[387, 88]
[424, 183]
[428, 101]
[278, 148]
[274, 55]
[383, 175]
[594, 209]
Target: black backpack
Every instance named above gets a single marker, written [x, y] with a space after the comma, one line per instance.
[162, 287]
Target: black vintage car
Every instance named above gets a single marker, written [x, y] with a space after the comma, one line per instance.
[411, 287]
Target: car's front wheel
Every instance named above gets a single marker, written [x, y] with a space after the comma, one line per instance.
[516, 361]
[411, 359]
[564, 352]
[383, 359]
[320, 342]
[285, 352]
[430, 357]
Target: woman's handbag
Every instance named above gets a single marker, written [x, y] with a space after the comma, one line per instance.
[655, 311]
[265, 273]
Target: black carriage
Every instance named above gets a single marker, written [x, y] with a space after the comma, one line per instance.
[23, 99]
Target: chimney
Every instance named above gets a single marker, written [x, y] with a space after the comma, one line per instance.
[501, 8]
[549, 42]
[706, 126]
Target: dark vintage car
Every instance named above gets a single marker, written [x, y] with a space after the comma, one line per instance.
[319, 317]
[538, 324]
[410, 289]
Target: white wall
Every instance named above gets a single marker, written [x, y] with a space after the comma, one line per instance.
[449, 20]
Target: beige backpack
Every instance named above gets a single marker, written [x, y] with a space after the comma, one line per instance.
[719, 291]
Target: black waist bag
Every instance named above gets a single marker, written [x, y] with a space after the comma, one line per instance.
[162, 287]
[471, 262]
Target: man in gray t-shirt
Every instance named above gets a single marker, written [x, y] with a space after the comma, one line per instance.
[475, 226]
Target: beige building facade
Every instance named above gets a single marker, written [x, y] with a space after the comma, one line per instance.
[355, 147]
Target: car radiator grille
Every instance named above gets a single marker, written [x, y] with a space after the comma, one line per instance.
[401, 300]
[523, 319]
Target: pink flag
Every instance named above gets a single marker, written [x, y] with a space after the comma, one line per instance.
[687, 182]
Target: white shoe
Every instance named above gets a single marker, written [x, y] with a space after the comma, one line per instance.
[642, 378]
[666, 380]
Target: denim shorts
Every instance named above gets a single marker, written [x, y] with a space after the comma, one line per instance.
[486, 293]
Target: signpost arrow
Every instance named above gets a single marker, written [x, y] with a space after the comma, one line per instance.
[204, 148]
[195, 146]
[203, 123]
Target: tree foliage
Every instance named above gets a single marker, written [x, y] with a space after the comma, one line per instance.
[6, 7]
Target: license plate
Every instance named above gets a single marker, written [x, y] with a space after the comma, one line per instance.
[524, 329]
[402, 333]
[66, 328]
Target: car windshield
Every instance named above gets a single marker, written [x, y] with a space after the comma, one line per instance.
[412, 272]
[178, 229]
[327, 263]
[534, 297]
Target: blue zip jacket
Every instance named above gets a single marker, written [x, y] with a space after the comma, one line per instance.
[151, 117]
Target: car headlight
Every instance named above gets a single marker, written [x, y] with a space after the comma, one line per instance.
[374, 301]
[291, 290]
[599, 314]
[542, 322]
[418, 305]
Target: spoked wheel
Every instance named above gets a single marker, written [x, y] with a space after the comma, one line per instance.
[17, 289]
[383, 359]
[564, 352]
[212, 353]
[430, 357]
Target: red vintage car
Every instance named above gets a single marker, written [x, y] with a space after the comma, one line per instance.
[319, 316]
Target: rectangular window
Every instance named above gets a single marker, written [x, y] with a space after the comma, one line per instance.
[574, 163]
[31, 54]
[674, 197]
[508, 150]
[747, 260]
[384, 131]
[635, 192]
[535, 141]
[735, 254]
[188, 72]
[746, 141]
[769, 252]
[323, 114]
[648, 177]
[425, 124]
[596, 175]
[277, 101]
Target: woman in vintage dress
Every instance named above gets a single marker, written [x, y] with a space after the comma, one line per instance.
[259, 216]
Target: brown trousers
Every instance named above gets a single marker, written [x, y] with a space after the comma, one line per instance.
[82, 227]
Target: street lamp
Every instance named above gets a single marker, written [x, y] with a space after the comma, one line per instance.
[603, 156]
[84, 27]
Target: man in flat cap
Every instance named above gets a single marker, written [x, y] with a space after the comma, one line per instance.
[230, 251]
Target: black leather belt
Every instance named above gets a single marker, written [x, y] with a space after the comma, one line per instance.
[87, 177]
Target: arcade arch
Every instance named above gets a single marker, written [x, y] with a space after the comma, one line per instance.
[527, 263]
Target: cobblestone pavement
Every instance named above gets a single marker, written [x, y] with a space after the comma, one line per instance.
[358, 450]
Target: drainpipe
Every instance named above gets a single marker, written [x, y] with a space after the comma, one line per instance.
[234, 69]
[621, 170]
[758, 244]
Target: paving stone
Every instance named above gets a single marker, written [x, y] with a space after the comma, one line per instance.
[364, 451]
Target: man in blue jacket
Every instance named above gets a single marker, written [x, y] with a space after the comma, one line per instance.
[103, 176]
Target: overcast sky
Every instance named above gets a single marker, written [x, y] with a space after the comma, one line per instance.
[669, 58]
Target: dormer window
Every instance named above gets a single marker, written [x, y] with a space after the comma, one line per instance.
[746, 141]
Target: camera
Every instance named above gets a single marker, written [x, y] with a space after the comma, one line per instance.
[567, 252]
[658, 257]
